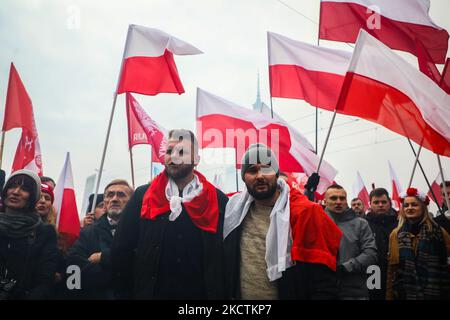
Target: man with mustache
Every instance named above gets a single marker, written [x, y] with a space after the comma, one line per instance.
[357, 250]
[168, 243]
[278, 244]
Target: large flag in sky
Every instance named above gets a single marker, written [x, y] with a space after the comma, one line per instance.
[396, 187]
[360, 191]
[148, 66]
[426, 64]
[303, 71]
[397, 23]
[143, 130]
[383, 88]
[67, 221]
[19, 114]
[223, 124]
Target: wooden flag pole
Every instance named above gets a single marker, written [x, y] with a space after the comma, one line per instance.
[1, 148]
[443, 182]
[132, 167]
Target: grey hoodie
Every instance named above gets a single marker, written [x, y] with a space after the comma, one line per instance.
[357, 251]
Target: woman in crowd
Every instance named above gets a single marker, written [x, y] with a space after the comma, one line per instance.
[28, 254]
[45, 205]
[418, 253]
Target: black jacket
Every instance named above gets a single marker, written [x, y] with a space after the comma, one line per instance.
[137, 252]
[96, 278]
[31, 261]
[382, 226]
[303, 281]
[443, 221]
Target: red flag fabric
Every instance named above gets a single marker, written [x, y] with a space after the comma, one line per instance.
[360, 191]
[223, 124]
[396, 23]
[18, 108]
[445, 79]
[148, 66]
[303, 71]
[143, 130]
[19, 114]
[396, 96]
[67, 221]
[426, 65]
[396, 187]
[435, 186]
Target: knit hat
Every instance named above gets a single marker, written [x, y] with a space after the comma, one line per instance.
[45, 188]
[35, 192]
[259, 154]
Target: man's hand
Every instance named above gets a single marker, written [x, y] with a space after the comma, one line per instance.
[88, 219]
[95, 257]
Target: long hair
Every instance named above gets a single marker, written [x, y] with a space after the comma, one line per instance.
[426, 218]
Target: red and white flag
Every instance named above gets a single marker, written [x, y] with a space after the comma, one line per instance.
[223, 124]
[148, 66]
[303, 71]
[436, 187]
[426, 64]
[67, 220]
[396, 187]
[396, 23]
[143, 130]
[19, 114]
[360, 191]
[396, 95]
[445, 79]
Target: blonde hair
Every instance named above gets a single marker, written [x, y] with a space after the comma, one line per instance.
[425, 215]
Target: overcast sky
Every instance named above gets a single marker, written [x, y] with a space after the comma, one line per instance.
[68, 54]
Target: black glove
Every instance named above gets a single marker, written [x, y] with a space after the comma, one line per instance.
[311, 185]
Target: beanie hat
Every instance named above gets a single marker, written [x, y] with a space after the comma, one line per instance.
[45, 188]
[35, 192]
[259, 154]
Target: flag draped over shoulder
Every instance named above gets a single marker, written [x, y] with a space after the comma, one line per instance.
[148, 66]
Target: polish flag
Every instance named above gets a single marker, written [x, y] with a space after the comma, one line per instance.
[445, 79]
[360, 191]
[143, 130]
[396, 96]
[397, 23]
[19, 114]
[426, 64]
[148, 66]
[436, 187]
[298, 70]
[396, 187]
[223, 124]
[67, 220]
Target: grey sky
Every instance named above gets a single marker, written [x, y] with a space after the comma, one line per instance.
[70, 73]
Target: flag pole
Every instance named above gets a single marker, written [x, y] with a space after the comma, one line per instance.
[443, 183]
[270, 78]
[1, 148]
[237, 181]
[132, 167]
[110, 123]
[317, 96]
[426, 179]
[326, 140]
[414, 167]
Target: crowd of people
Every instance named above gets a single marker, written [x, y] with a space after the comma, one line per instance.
[179, 237]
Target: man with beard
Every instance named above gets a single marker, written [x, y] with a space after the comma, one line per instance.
[168, 243]
[382, 220]
[278, 244]
[358, 207]
[91, 252]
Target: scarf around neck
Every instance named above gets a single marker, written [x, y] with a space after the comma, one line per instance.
[278, 238]
[199, 199]
[18, 225]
